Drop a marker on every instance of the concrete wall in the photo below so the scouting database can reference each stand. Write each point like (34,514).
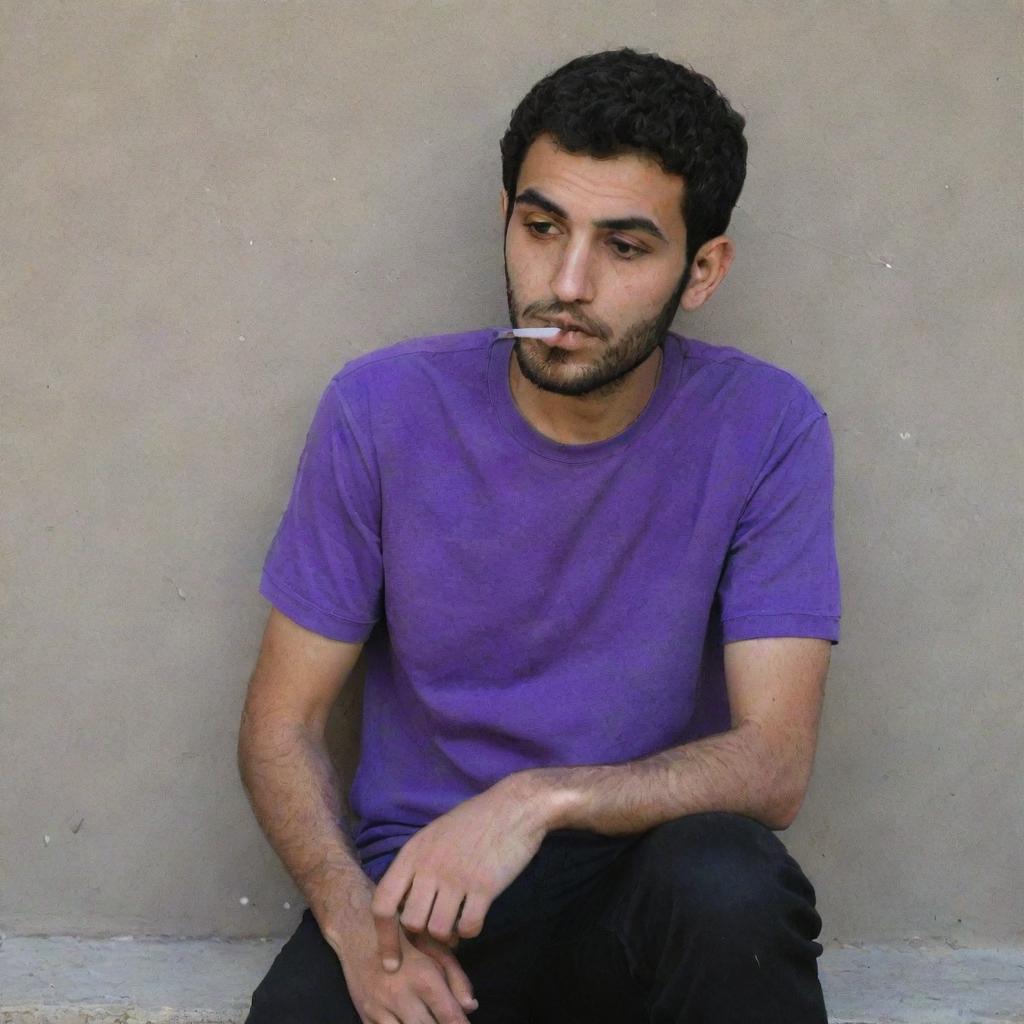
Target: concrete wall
(208,207)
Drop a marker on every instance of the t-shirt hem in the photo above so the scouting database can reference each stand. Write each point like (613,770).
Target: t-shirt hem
(757,626)
(308,615)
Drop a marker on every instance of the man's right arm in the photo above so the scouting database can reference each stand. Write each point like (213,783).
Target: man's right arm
(296,796)
(290,779)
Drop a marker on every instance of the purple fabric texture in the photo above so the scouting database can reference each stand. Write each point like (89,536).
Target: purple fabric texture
(527,603)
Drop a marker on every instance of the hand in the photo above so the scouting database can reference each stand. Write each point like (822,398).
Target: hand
(431,985)
(451,871)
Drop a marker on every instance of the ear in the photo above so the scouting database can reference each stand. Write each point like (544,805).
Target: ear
(504,205)
(710,265)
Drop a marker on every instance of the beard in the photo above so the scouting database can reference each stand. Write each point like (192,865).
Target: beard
(539,363)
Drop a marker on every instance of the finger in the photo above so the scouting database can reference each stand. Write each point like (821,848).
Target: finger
(473,913)
(458,981)
(389,946)
(391,889)
(384,906)
(444,1006)
(418,904)
(442,917)
(416,1012)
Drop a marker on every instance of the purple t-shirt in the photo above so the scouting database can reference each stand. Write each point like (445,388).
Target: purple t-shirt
(525,602)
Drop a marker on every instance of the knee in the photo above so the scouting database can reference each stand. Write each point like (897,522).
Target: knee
(719,870)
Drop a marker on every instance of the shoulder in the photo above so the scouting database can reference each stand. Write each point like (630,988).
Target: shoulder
(757,388)
(406,356)
(404,371)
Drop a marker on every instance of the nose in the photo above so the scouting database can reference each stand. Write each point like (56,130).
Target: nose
(573,280)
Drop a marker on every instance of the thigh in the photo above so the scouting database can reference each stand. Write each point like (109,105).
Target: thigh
(587,977)
(306,984)
(510,960)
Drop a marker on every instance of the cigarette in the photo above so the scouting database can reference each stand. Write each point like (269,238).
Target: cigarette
(531,332)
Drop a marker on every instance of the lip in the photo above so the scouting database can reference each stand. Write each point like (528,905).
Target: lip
(567,326)
(571,338)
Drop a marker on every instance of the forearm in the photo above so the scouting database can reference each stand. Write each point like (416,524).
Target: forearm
(731,771)
(295,794)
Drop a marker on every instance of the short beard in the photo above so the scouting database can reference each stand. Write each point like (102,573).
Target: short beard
(615,365)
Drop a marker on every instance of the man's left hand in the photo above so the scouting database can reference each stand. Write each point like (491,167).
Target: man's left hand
(453,869)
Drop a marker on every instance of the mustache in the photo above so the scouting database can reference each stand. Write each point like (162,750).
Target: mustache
(549,310)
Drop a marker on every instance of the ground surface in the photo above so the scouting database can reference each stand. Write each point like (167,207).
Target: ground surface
(159,981)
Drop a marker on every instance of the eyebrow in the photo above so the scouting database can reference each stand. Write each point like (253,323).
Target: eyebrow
(532,197)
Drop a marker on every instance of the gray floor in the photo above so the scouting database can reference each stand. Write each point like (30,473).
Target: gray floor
(124,981)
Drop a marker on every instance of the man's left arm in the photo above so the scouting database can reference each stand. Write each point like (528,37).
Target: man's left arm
(445,878)
(759,768)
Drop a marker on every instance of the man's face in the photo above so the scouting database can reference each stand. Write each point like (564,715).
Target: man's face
(600,244)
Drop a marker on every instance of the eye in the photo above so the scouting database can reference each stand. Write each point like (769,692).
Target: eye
(536,225)
(624,250)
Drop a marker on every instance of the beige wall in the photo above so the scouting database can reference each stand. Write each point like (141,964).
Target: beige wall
(208,207)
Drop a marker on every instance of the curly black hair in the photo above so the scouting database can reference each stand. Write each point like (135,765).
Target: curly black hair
(621,101)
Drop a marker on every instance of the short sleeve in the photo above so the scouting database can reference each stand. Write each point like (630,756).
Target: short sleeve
(324,569)
(781,576)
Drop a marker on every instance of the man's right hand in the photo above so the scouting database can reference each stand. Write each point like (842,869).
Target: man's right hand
(429,986)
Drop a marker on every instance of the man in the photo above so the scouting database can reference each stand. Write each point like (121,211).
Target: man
(594,580)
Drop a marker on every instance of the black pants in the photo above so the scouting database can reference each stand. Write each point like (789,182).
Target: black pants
(705,919)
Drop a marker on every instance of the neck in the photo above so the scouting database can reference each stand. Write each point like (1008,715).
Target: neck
(586,419)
